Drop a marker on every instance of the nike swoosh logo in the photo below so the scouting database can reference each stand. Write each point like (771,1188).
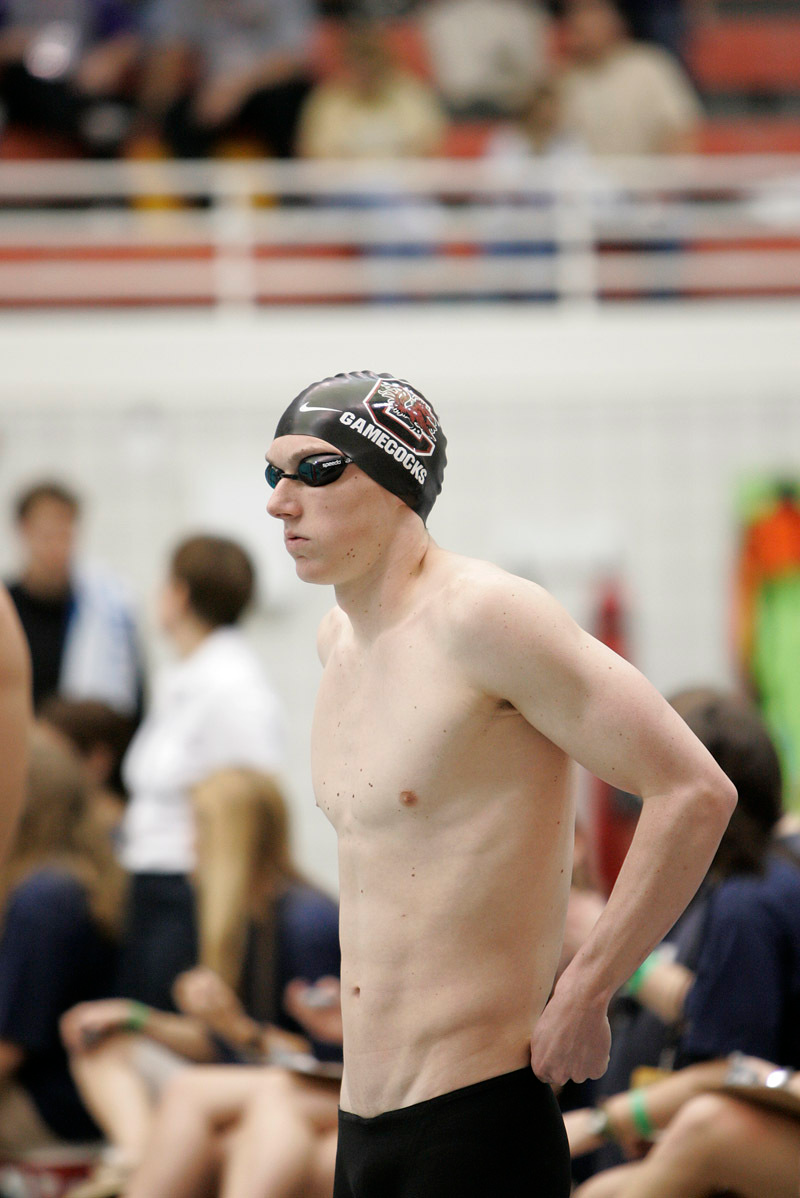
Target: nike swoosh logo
(306,407)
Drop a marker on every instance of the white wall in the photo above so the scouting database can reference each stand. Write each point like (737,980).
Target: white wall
(578,440)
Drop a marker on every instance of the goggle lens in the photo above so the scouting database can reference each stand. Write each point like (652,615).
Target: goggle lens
(317,470)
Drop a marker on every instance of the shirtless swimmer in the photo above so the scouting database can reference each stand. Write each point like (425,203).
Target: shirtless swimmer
(453,697)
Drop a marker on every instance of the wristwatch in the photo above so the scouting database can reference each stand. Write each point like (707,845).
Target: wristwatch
(599,1124)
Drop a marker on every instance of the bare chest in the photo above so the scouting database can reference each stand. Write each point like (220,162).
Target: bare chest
(400,729)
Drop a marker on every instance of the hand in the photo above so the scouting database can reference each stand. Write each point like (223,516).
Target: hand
(202,993)
(101,70)
(220,99)
(571,1040)
(88,1023)
(317,1008)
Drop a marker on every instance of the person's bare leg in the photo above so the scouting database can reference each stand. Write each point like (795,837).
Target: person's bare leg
(718,1143)
(275,1150)
(320,1179)
(198,1106)
(116,1094)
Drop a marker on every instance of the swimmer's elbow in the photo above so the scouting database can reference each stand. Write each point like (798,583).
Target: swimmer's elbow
(728,798)
(716,801)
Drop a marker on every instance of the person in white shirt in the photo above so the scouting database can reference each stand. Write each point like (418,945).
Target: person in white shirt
(212,709)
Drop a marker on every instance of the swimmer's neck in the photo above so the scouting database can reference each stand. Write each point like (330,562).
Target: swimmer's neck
(384,593)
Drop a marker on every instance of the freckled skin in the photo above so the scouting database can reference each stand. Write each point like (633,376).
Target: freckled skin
(453,861)
(441,749)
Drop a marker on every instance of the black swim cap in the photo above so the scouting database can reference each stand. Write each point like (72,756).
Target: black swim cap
(384,424)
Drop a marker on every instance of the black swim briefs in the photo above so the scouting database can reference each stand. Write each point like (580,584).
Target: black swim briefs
(501,1138)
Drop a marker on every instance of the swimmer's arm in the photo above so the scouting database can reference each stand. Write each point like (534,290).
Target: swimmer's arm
(15,719)
(520,645)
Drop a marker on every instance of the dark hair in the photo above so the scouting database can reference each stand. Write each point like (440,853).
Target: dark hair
(47,489)
(219,575)
(737,738)
(88,723)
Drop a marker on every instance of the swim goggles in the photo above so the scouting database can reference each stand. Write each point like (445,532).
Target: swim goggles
(317,470)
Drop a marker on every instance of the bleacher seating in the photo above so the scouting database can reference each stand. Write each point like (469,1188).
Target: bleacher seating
(746,55)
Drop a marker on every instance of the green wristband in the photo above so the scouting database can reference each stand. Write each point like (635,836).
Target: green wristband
(138,1015)
(637,978)
(641,1119)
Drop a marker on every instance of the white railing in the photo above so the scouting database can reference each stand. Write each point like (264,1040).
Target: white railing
(246,233)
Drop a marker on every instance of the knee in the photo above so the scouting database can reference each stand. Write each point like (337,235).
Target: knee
(276,1093)
(701,1137)
(707,1120)
(180,1091)
(113,1050)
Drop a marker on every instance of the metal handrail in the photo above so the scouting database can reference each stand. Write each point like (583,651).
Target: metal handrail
(251,232)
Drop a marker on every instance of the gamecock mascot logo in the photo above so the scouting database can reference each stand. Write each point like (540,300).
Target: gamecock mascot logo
(399,409)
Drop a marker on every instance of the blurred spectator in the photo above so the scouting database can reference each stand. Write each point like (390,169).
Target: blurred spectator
(487,55)
(212,709)
(727,978)
(719,1125)
(15,719)
(284,929)
(99,735)
(78,622)
(621,96)
(66,69)
(539,131)
(374,110)
(258,1131)
(219,71)
(60,896)
(262,924)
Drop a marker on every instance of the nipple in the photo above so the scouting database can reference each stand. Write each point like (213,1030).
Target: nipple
(408,798)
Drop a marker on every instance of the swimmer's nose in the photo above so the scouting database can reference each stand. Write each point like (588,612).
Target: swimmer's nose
(285,499)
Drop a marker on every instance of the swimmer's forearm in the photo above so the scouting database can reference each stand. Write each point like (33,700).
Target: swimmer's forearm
(669,856)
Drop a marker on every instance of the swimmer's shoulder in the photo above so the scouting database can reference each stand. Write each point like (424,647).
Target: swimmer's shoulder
(488,617)
(330,629)
(476,594)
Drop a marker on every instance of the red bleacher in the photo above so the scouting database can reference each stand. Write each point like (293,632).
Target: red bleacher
(745,55)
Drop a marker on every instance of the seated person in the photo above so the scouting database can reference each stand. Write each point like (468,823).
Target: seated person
(215,73)
(61,895)
(67,70)
(123,1052)
(730,1124)
(728,976)
(99,735)
(373,109)
(621,96)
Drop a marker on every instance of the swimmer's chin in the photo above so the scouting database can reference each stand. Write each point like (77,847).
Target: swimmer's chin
(309,570)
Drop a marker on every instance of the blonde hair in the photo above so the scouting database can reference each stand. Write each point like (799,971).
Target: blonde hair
(57,829)
(244,860)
